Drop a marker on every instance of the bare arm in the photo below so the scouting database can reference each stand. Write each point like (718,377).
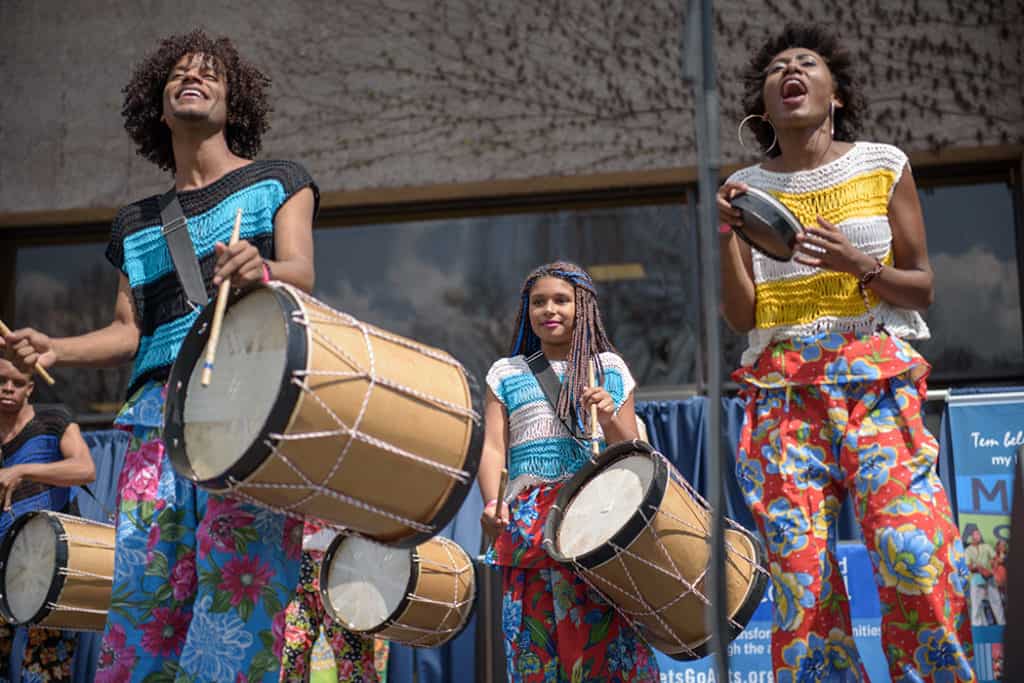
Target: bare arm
(492,457)
(75,469)
(293,249)
(492,461)
(910,283)
(739,295)
(109,346)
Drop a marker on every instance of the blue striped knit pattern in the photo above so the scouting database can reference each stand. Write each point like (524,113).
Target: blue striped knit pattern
(162,347)
(138,248)
(145,252)
(540,447)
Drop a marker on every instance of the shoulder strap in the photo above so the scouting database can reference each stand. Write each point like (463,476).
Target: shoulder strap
(183,253)
(549,384)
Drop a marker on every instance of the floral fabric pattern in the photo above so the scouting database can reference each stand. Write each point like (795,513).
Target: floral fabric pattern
(556,627)
(353,654)
(559,630)
(48,657)
(831,416)
(200,581)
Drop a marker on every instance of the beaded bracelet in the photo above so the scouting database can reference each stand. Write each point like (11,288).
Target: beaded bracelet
(865,280)
(867,277)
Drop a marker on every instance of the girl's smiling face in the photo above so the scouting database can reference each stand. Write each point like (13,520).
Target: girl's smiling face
(552,306)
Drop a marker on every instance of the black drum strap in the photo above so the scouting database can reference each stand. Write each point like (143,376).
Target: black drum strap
(549,384)
(183,252)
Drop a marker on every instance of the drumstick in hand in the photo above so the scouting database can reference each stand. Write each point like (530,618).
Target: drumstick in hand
(502,485)
(595,445)
(40,370)
(218,311)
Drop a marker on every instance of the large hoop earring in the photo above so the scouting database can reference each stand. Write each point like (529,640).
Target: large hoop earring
(763,117)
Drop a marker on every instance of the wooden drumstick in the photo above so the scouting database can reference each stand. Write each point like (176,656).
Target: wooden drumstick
(502,485)
(40,370)
(595,445)
(218,311)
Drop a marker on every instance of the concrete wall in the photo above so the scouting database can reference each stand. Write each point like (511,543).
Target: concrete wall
(388,93)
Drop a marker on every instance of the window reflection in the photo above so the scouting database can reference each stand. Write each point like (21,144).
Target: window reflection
(976,318)
(455,283)
(64,290)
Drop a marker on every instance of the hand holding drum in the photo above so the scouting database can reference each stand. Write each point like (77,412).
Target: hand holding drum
(761,220)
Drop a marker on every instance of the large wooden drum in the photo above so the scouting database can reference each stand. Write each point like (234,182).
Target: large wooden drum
(314,413)
(634,529)
(57,571)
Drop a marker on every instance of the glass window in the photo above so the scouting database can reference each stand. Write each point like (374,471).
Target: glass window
(64,290)
(455,283)
(976,318)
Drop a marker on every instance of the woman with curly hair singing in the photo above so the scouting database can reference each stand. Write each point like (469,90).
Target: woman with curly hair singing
(833,388)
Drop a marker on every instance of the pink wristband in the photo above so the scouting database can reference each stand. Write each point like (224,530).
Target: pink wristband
(492,502)
(266,272)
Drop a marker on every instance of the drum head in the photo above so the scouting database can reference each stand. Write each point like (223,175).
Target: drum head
(604,504)
(222,428)
(768,225)
(366,582)
(30,575)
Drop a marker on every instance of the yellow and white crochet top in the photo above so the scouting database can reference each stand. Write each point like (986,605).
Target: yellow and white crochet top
(794,300)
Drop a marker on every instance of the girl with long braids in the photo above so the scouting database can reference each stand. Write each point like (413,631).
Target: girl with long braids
(833,387)
(555,626)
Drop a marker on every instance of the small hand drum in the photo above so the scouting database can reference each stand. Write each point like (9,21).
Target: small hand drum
(768,225)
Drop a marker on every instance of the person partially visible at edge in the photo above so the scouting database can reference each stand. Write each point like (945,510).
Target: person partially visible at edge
(200,579)
(42,454)
(542,600)
(833,389)
(355,655)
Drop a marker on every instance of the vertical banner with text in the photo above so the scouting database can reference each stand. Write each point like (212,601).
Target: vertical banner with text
(986,430)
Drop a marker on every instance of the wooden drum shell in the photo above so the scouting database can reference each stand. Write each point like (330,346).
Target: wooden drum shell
(412,420)
(87,555)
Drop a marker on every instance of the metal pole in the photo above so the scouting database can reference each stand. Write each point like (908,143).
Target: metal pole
(699,69)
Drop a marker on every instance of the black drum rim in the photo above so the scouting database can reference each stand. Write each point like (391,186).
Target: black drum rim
(56,582)
(191,353)
(785,225)
(634,526)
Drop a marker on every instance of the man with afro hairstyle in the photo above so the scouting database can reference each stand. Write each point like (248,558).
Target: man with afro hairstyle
(199,579)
